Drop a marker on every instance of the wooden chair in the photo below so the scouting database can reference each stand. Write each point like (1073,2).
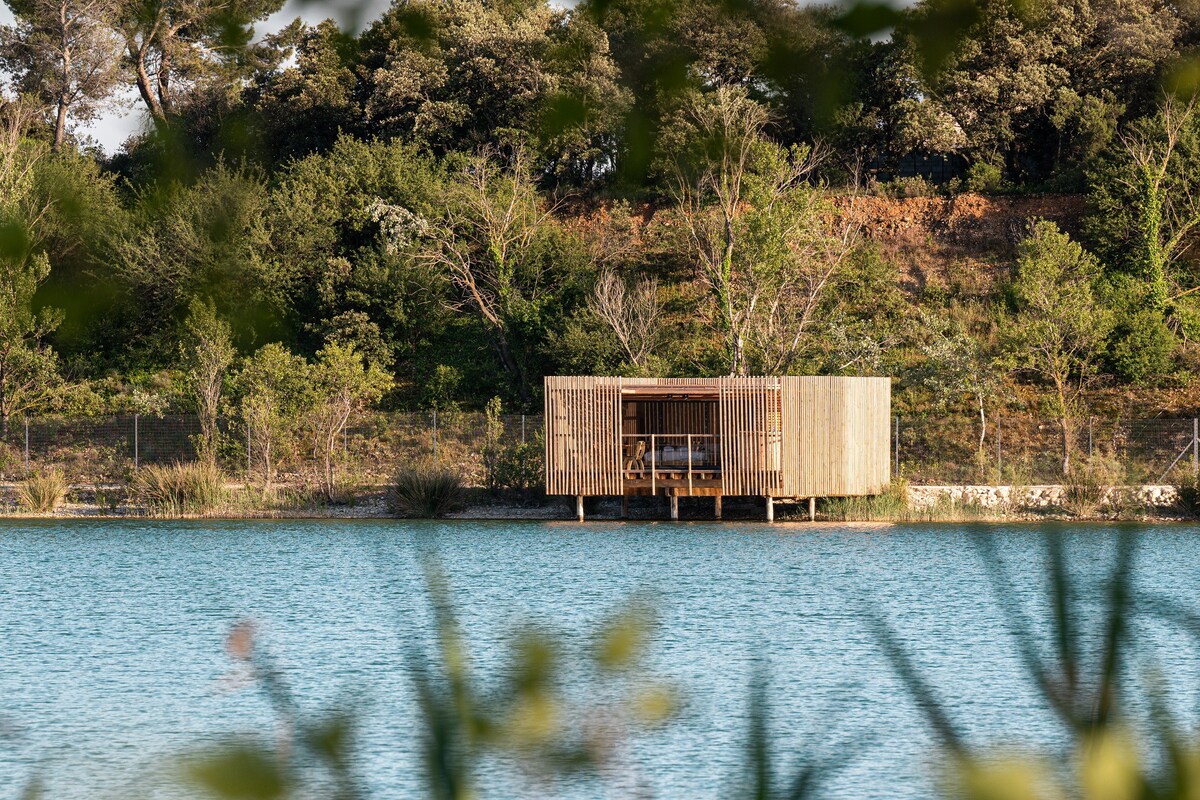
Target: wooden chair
(637,456)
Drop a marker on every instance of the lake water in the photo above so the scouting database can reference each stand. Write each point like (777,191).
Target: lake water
(112,659)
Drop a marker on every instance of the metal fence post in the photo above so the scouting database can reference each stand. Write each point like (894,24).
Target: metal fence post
(896,440)
(522,429)
(248,462)
(1090,419)
(1195,447)
(435,458)
(135,442)
(999,460)
(27,447)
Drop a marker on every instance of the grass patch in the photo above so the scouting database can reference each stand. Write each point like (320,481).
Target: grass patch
(179,489)
(893,506)
(1091,486)
(424,492)
(43,492)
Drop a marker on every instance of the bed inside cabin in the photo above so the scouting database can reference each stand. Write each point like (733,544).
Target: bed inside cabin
(670,432)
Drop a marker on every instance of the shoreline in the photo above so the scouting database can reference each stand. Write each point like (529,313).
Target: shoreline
(924,504)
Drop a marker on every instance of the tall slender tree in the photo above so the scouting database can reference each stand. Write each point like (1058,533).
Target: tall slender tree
(63,53)
(174,47)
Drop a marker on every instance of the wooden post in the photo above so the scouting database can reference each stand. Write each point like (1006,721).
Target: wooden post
(812,509)
(653,468)
(770,509)
(689,447)
(675,507)
(624,506)
(717,506)
(579,507)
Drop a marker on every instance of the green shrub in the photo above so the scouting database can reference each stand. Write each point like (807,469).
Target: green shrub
(519,466)
(43,492)
(424,492)
(1092,485)
(984,177)
(900,188)
(1141,348)
(178,489)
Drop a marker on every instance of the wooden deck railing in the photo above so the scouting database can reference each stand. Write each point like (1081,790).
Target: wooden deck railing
(694,455)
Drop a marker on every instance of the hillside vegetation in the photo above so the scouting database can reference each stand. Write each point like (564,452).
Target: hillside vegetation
(470,194)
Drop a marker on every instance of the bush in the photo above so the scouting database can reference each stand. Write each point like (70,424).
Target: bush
(1141,348)
(1092,485)
(178,489)
(43,492)
(900,188)
(519,466)
(984,178)
(424,492)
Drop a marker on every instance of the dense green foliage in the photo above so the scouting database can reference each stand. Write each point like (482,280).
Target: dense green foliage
(468,195)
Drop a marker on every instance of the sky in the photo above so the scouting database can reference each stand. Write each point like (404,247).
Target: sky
(114,127)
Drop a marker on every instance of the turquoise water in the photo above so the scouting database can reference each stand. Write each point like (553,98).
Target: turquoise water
(112,660)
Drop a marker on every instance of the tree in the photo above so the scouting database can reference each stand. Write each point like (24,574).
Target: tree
(273,386)
(177,47)
(1144,199)
(63,53)
(956,367)
(342,385)
(28,366)
(209,239)
(586,107)
(305,105)
(755,227)
(458,74)
(1059,327)
(633,313)
(487,245)
(207,353)
(345,230)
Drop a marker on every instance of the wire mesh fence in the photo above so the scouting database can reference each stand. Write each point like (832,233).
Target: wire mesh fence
(932,449)
(1030,450)
(373,445)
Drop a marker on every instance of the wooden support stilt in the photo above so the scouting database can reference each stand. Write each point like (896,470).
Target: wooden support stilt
(675,507)
(624,506)
(812,509)
(579,507)
(770,509)
(717,507)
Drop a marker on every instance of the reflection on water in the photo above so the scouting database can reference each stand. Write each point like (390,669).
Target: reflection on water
(112,659)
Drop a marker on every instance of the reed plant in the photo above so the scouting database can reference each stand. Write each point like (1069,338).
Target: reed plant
(179,489)
(890,506)
(1091,486)
(424,492)
(43,492)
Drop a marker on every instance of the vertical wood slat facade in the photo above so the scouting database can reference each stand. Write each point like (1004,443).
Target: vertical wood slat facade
(583,426)
(778,436)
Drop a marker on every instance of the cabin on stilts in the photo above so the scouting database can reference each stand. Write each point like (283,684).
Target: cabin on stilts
(791,438)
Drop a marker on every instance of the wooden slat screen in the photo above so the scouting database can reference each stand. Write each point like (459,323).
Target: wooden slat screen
(842,436)
(751,435)
(583,425)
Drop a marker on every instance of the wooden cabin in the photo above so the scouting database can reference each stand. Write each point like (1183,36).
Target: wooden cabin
(771,437)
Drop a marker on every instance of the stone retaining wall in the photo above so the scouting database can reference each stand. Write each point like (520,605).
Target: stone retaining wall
(1032,497)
